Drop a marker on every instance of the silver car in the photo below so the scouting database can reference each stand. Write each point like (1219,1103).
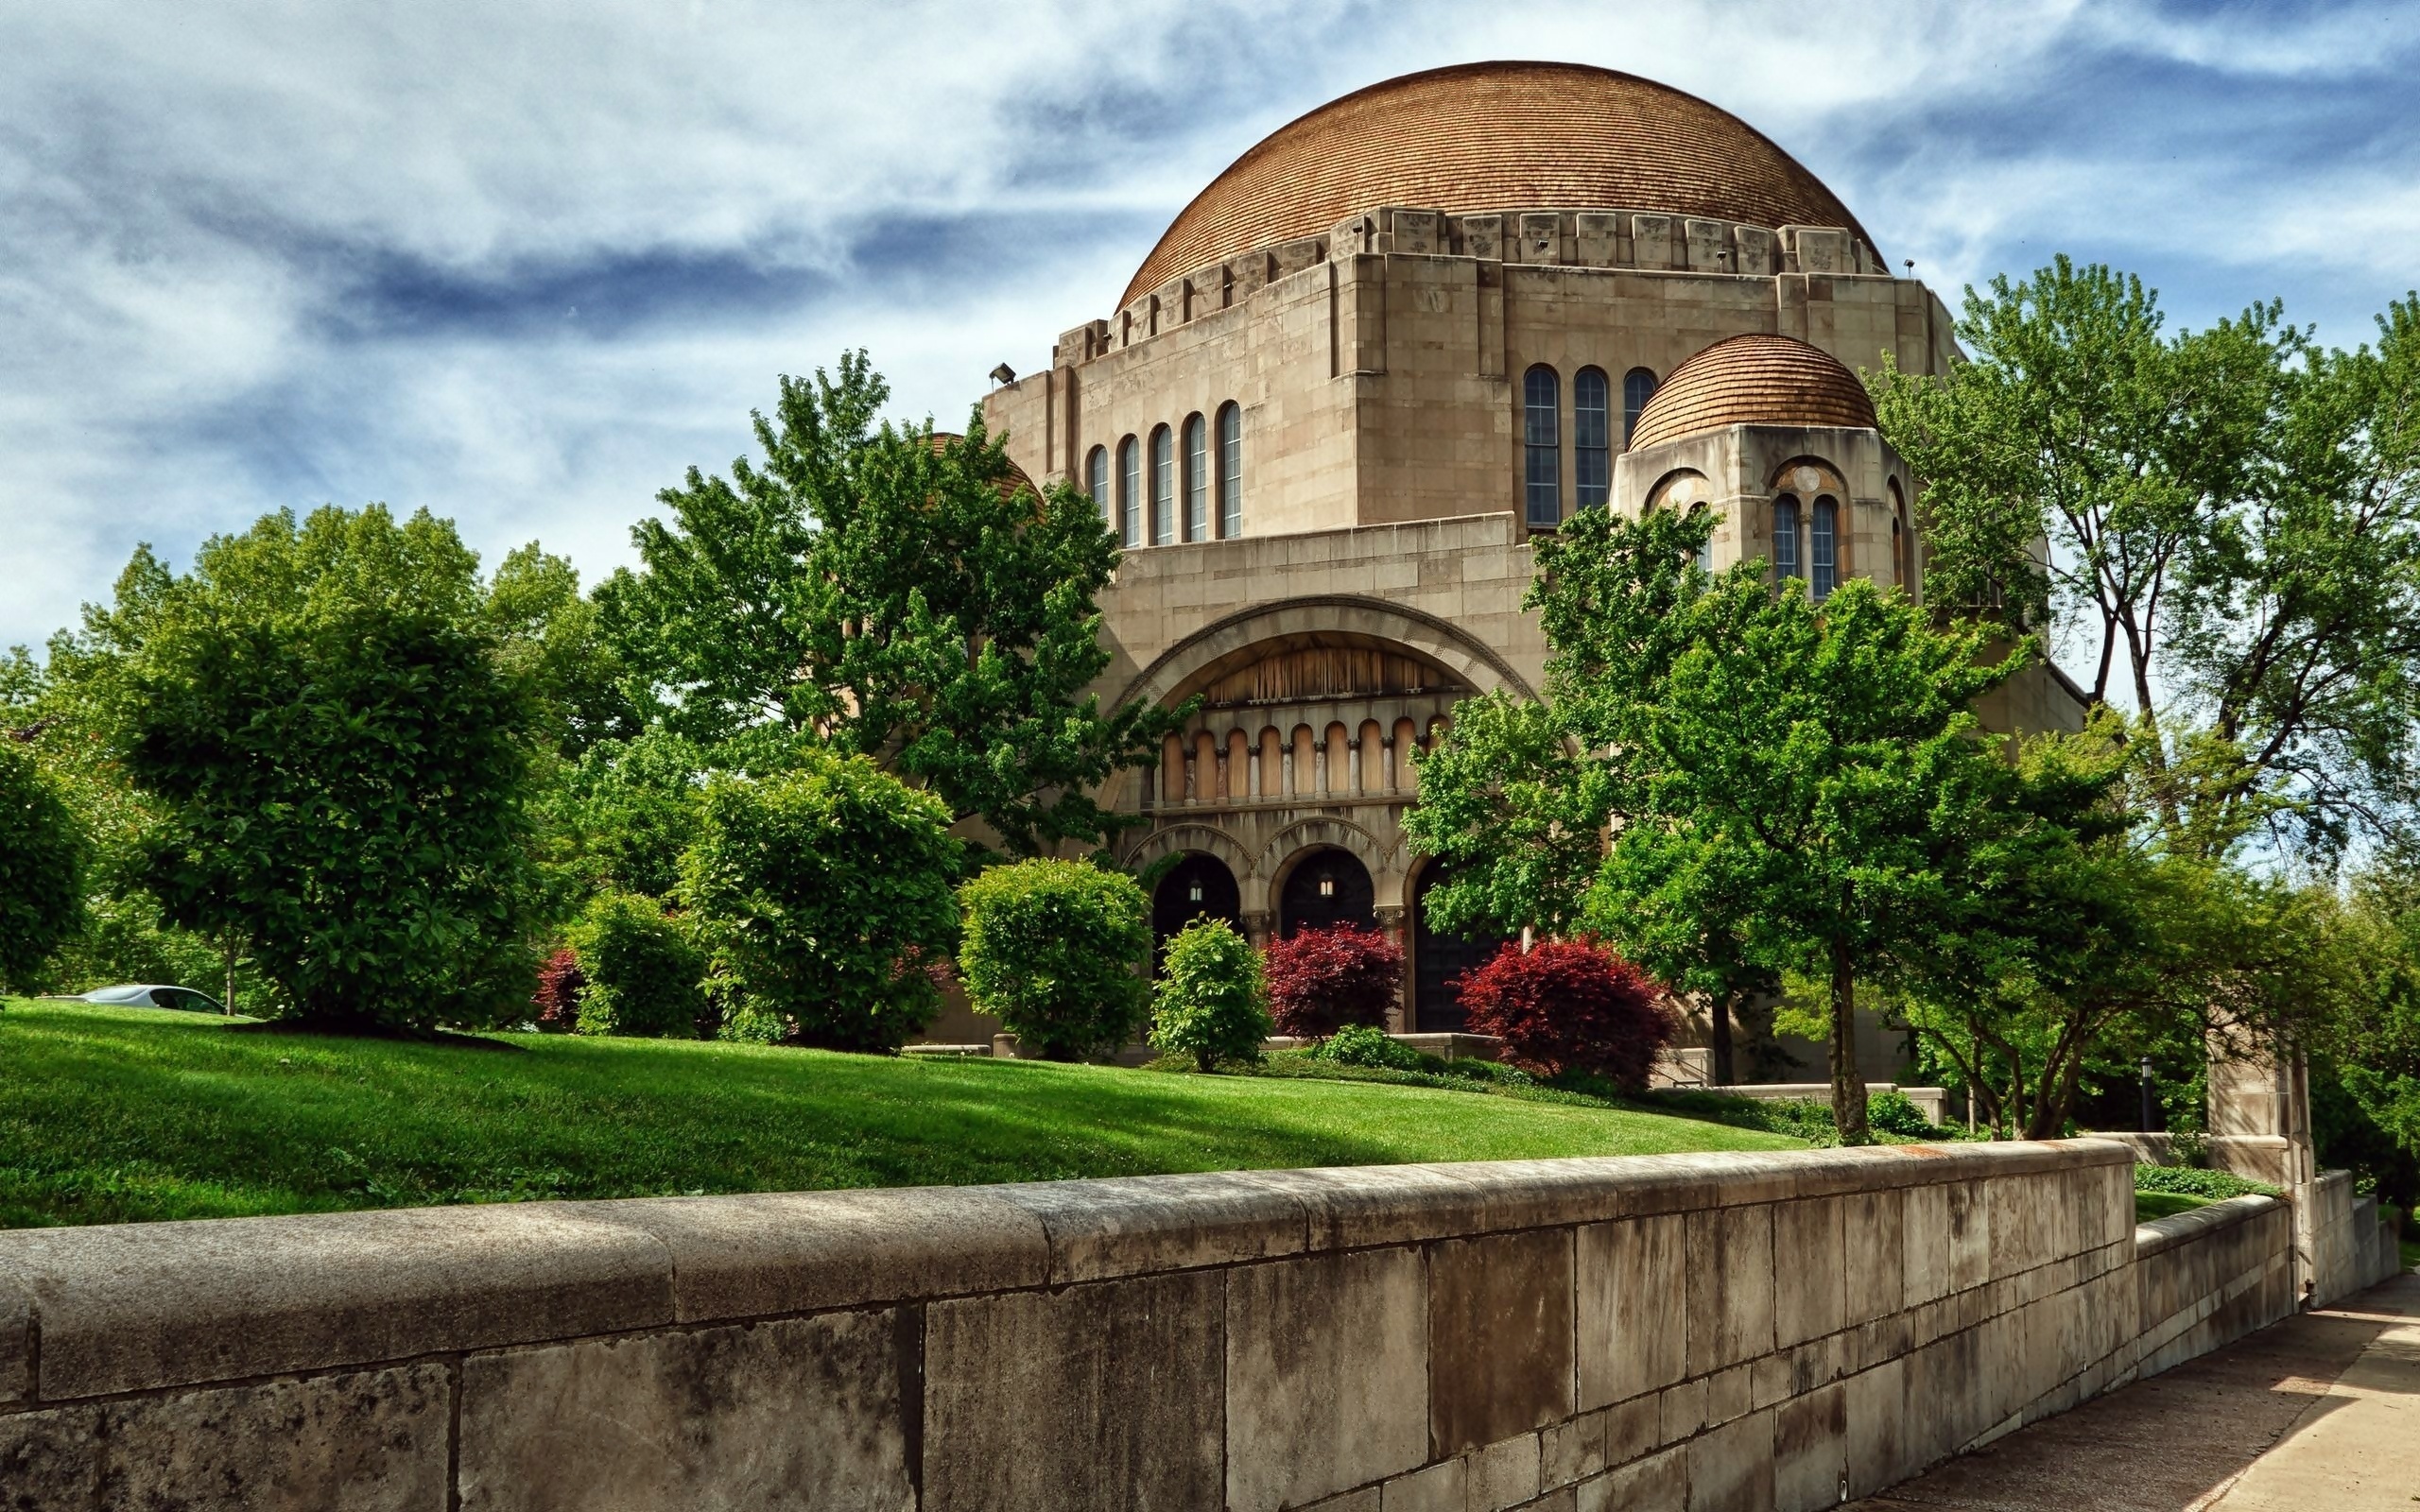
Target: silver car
(152,995)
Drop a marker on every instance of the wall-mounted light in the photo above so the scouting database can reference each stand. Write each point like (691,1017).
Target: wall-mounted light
(1194,894)
(1327,884)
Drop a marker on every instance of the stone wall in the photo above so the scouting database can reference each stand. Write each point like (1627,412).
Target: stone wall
(1761,1331)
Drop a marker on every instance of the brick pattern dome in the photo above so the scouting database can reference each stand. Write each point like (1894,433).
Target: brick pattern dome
(1754,380)
(1482,137)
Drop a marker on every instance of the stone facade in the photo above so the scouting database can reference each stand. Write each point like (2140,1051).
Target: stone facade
(1716,1331)
(1319,454)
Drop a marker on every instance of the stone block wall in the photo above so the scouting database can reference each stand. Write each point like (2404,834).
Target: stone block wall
(1761,1331)
(2211,1275)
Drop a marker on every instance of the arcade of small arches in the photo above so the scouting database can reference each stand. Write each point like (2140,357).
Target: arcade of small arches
(1183,469)
(1282,799)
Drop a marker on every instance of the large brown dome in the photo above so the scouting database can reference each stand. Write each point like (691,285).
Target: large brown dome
(1754,380)
(1482,137)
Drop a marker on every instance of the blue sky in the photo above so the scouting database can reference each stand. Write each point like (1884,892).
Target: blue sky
(524,264)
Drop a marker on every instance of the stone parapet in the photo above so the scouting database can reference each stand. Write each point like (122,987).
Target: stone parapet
(1764,1330)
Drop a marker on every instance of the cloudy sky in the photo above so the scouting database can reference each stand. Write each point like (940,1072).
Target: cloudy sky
(524,263)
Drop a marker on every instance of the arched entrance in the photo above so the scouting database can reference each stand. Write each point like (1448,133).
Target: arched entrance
(1438,958)
(1199,886)
(1326,887)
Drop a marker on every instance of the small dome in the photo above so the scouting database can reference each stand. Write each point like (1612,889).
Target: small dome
(1754,380)
(1482,137)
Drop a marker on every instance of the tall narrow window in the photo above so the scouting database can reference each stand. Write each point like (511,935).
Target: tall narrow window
(1542,437)
(1639,386)
(1196,479)
(1784,537)
(1822,548)
(1096,484)
(1129,493)
(1592,436)
(1898,555)
(1162,487)
(1231,471)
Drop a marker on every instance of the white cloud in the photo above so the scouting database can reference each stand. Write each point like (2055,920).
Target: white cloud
(265,254)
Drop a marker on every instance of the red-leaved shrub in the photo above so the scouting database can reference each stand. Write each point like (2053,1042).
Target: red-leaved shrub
(557,999)
(1569,1005)
(1322,979)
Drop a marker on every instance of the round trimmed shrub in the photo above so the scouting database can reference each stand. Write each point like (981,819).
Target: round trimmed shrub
(1049,948)
(1357,1044)
(820,892)
(641,976)
(1322,979)
(1211,1001)
(1569,1005)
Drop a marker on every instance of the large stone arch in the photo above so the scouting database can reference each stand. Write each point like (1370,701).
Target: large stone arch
(1474,661)
(1192,835)
(1384,862)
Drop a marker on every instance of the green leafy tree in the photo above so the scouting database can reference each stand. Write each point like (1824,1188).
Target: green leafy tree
(42,865)
(334,756)
(1052,949)
(902,594)
(641,974)
(823,893)
(620,815)
(1210,1002)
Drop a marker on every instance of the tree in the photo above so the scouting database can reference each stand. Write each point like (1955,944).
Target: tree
(903,595)
(1570,1005)
(1052,949)
(335,758)
(823,893)
(2231,516)
(1320,980)
(42,865)
(1211,1001)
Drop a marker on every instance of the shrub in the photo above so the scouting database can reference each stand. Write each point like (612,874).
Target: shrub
(641,972)
(1358,1044)
(1569,1005)
(1049,948)
(1895,1113)
(42,865)
(2187,1181)
(1322,979)
(822,890)
(1212,1002)
(556,999)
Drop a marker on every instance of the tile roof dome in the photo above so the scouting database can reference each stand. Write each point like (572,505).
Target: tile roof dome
(1754,380)
(1480,137)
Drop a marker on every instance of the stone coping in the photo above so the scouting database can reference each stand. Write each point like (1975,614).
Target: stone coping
(92,1311)
(2167,1233)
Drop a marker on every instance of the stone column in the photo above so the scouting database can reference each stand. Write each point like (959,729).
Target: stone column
(1286,762)
(1226,787)
(1252,771)
(1192,778)
(1318,759)
(1390,924)
(1395,778)
(1257,930)
(1360,779)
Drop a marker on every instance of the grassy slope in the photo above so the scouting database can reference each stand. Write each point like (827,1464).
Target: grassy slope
(2150,1205)
(116,1115)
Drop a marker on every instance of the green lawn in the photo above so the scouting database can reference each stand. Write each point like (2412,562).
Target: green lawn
(2150,1205)
(111,1115)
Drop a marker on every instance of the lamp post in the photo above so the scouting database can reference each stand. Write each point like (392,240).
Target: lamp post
(2148,1125)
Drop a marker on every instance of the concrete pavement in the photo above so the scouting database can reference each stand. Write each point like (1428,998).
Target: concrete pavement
(2320,1413)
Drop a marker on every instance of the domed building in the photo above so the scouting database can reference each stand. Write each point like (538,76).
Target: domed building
(1397,340)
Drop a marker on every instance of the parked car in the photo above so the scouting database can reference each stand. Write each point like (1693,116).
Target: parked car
(152,995)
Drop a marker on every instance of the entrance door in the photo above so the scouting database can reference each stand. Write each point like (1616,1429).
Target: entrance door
(1327,886)
(1438,960)
(1199,886)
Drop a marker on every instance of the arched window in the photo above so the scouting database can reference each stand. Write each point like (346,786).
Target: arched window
(1899,540)
(1639,386)
(1542,438)
(1786,537)
(1162,487)
(1196,479)
(1130,492)
(1822,548)
(1231,471)
(1096,484)
(1592,436)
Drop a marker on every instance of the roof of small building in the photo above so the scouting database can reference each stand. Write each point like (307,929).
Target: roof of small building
(1754,380)
(1480,137)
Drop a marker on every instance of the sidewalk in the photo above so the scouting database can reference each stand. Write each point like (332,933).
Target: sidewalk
(2320,1413)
